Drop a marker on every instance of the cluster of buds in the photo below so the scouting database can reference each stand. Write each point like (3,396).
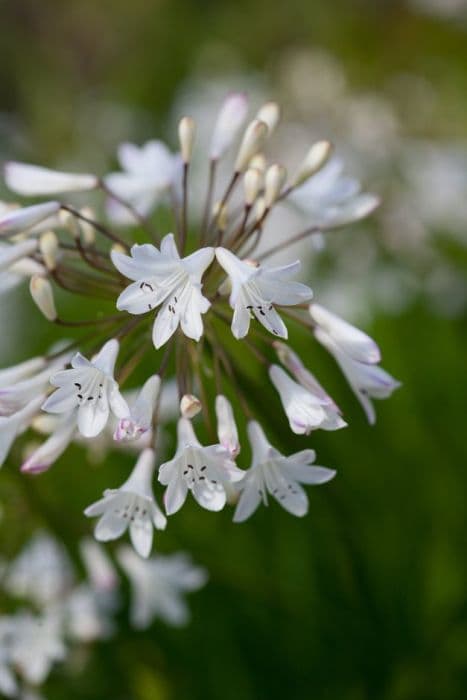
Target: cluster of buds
(176,295)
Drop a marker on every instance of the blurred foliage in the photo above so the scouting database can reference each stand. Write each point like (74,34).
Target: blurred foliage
(364,599)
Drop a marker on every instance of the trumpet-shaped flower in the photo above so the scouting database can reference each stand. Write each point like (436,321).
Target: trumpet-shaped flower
(255,290)
(205,471)
(280,476)
(159,586)
(132,506)
(165,278)
(306,410)
(90,388)
(148,174)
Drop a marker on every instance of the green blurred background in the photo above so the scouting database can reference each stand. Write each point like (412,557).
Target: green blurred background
(365,598)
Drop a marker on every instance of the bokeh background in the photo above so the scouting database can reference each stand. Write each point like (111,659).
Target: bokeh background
(364,599)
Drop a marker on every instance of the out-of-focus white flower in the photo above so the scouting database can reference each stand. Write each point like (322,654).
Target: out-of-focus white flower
(10,254)
(165,278)
(159,586)
(231,116)
(15,424)
(280,476)
(37,644)
(141,413)
(21,384)
(226,427)
(131,506)
(8,683)
(22,219)
(305,410)
(255,290)
(51,449)
(330,198)
(205,471)
(31,180)
(41,573)
(149,172)
(99,568)
(90,387)
(86,620)
(356,354)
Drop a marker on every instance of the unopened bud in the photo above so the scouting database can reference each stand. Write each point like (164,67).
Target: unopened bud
(273,182)
(315,159)
(252,142)
(226,427)
(190,406)
(69,222)
(270,114)
(119,248)
(48,246)
(260,208)
(220,215)
(252,181)
(87,230)
(42,295)
(186,136)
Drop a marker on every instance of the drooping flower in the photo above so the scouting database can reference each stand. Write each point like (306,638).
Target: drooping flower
(159,586)
(51,449)
(132,506)
(165,278)
(139,420)
(357,355)
(90,388)
(273,473)
(329,198)
(305,410)
(149,172)
(205,471)
(255,290)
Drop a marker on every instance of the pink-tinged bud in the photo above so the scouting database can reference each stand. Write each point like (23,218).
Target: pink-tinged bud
(270,114)
(186,137)
(229,120)
(315,159)
(273,183)
(18,220)
(42,295)
(190,406)
(32,180)
(253,140)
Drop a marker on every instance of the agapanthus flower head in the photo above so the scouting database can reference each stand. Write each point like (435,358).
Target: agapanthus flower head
(179,294)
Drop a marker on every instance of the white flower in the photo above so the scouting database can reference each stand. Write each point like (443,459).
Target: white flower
(356,354)
(51,449)
(41,572)
(8,684)
(99,568)
(90,387)
(205,471)
(226,426)
(31,180)
(305,410)
(149,172)
(21,384)
(86,618)
(10,254)
(165,278)
(230,118)
(159,586)
(280,476)
(14,425)
(141,413)
(255,290)
(21,219)
(37,643)
(331,199)
(131,506)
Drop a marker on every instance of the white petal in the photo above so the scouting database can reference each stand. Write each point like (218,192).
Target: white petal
(50,450)
(350,339)
(110,527)
(240,320)
(33,180)
(196,263)
(175,495)
(9,254)
(249,500)
(106,357)
(141,534)
(19,220)
(92,418)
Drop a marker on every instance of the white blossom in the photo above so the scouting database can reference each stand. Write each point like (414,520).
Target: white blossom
(53,447)
(90,388)
(255,290)
(273,473)
(132,506)
(231,116)
(165,278)
(159,586)
(205,471)
(31,180)
(23,218)
(37,644)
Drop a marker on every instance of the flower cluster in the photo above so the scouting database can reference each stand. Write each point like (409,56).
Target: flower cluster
(200,304)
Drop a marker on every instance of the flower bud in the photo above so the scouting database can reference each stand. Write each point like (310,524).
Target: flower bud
(252,141)
(229,120)
(226,427)
(252,181)
(118,248)
(220,215)
(260,208)
(42,295)
(190,406)
(87,230)
(270,114)
(32,180)
(186,137)
(259,162)
(315,159)
(48,246)
(70,223)
(273,182)
(20,219)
